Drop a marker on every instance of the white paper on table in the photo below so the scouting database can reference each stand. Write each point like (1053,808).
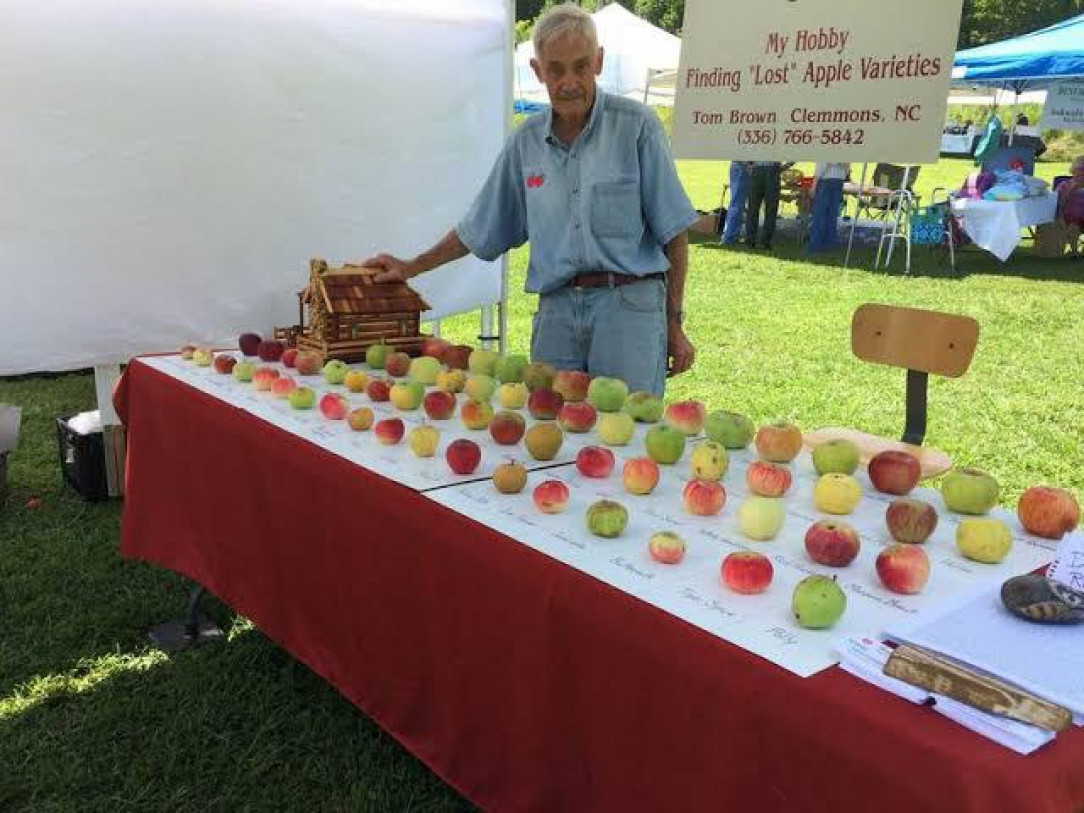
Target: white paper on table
(10,419)
(1068,566)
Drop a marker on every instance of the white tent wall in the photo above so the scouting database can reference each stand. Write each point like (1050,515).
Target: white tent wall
(168,168)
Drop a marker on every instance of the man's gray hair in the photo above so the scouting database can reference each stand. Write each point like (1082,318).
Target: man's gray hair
(560,21)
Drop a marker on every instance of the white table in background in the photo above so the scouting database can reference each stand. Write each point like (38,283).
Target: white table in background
(995,224)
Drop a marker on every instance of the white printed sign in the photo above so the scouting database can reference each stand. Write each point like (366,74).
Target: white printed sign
(1068,567)
(1064,108)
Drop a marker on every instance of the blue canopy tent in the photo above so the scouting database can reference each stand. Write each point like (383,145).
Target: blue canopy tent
(1030,61)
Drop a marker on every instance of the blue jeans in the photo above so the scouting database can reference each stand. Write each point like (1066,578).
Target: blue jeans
(617,332)
(827,202)
(739,192)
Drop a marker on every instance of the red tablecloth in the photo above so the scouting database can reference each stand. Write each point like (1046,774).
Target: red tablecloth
(524,683)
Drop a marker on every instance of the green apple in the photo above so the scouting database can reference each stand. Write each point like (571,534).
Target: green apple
(607,394)
(761,518)
(539,376)
(424,370)
(480,387)
(615,428)
(607,518)
(377,354)
(818,602)
(482,362)
(335,371)
(837,456)
(969,491)
(243,370)
(644,407)
(512,396)
(510,369)
(731,429)
(664,444)
(302,398)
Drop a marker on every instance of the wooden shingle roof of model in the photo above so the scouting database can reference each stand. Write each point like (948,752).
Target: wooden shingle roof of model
(351,289)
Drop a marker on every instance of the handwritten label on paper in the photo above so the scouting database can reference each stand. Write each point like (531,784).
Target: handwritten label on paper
(708,603)
(784,636)
(625,564)
(1068,567)
(562,536)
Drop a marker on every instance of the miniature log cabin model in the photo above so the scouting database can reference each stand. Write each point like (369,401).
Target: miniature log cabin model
(348,311)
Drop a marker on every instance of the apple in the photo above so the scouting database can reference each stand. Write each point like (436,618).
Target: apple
(767,479)
(334,407)
(910,521)
(732,429)
(903,568)
(424,370)
(463,456)
(836,493)
(832,543)
(244,370)
(439,405)
(389,431)
(983,539)
(360,419)
(577,416)
(510,369)
(594,461)
(483,362)
(664,444)
(839,456)
(335,371)
(458,356)
(302,398)
(550,497)
(249,343)
(224,364)
(187,351)
(282,386)
(539,376)
(544,405)
(894,472)
(397,364)
(379,390)
(507,427)
(607,394)
(423,440)
(666,547)
(434,347)
(686,416)
(703,498)
(543,441)
(376,355)
(512,396)
(761,518)
(571,384)
(356,381)
(778,442)
(818,602)
(644,407)
(452,380)
(480,387)
(747,572)
(475,414)
(1044,511)
(263,378)
(289,357)
(969,491)
(308,362)
(640,475)
(509,478)
(708,460)
(607,518)
(203,356)
(270,350)
(615,428)
(406,395)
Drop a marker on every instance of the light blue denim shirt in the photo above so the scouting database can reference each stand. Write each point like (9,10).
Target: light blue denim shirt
(608,202)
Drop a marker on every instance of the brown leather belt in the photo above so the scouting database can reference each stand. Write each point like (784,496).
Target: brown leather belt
(608,279)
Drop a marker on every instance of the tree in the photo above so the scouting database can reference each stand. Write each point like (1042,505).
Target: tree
(986,21)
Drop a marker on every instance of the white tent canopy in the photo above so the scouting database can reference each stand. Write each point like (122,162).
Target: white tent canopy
(637,53)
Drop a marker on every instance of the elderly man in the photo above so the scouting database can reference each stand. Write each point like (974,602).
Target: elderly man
(592,185)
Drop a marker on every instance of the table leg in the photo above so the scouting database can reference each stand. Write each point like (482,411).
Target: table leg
(194,631)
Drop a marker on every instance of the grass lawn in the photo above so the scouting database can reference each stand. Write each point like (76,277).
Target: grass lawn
(92,719)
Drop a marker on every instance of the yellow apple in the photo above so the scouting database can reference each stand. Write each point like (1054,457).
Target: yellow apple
(615,428)
(451,380)
(513,396)
(708,460)
(836,493)
(761,518)
(983,539)
(356,381)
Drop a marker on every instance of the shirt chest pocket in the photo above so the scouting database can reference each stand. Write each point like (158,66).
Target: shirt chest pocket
(615,208)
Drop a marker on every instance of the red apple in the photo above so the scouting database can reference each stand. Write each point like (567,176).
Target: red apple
(224,364)
(334,407)
(571,384)
(833,543)
(397,364)
(263,378)
(911,521)
(463,456)
(439,405)
(703,498)
(666,547)
(778,442)
(282,386)
(903,568)
(550,497)
(187,351)
(595,461)
(458,356)
(894,472)
(507,427)
(1048,512)
(389,431)
(378,389)
(640,475)
(309,362)
(289,356)
(577,416)
(544,404)
(686,416)
(249,343)
(270,350)
(360,419)
(747,572)
(767,479)
(435,347)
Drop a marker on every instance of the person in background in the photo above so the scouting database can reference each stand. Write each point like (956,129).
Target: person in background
(739,192)
(828,180)
(763,193)
(1071,205)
